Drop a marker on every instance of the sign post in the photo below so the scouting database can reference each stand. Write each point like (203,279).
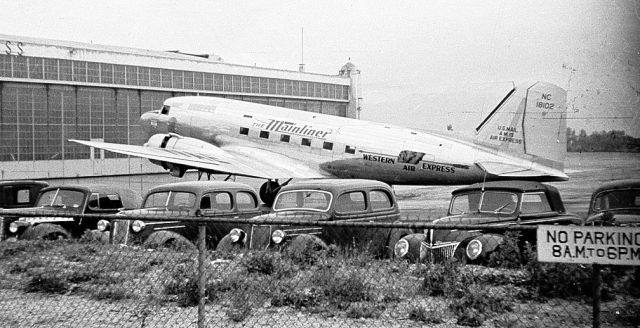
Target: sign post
(589,245)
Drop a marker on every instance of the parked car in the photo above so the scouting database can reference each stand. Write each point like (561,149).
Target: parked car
(205,199)
(615,203)
(71,199)
(345,200)
(17,194)
(492,204)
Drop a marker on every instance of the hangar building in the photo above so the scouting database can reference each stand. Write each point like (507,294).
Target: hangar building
(52,91)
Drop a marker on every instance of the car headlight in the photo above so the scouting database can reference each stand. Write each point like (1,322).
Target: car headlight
(474,249)
(13,227)
(236,235)
(278,236)
(401,248)
(103,225)
(137,226)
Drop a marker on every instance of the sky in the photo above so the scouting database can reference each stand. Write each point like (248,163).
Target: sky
(406,50)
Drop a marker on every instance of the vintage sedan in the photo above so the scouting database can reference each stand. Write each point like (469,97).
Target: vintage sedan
(346,200)
(17,194)
(204,199)
(615,203)
(492,204)
(70,199)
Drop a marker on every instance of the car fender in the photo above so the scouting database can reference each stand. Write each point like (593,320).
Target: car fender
(227,245)
(414,253)
(394,236)
(490,242)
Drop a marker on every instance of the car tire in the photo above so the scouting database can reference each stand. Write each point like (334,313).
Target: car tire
(46,231)
(226,245)
(168,239)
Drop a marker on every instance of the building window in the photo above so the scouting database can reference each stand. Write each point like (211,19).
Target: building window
(306,142)
(264,134)
(285,138)
(244,131)
(349,150)
(327,145)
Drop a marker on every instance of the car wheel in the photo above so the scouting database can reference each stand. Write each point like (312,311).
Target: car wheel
(168,239)
(226,245)
(46,231)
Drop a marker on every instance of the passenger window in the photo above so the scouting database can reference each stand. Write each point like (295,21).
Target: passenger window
(93,202)
(182,200)
(221,201)
(246,201)
(165,110)
(351,202)
(205,203)
(22,196)
(534,203)
(380,200)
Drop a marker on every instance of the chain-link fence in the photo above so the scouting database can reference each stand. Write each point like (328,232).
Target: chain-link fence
(115,279)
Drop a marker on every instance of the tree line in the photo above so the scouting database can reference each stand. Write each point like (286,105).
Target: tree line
(603,141)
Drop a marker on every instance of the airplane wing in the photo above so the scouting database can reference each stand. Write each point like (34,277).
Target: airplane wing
(236,160)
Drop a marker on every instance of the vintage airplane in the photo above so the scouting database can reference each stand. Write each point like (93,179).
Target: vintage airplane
(524,137)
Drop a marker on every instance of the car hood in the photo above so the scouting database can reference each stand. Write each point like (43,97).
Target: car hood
(473,219)
(157,211)
(616,217)
(294,215)
(46,210)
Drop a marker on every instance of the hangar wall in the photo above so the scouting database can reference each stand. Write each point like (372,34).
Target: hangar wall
(52,91)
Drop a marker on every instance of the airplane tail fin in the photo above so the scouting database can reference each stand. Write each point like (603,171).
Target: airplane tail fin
(530,122)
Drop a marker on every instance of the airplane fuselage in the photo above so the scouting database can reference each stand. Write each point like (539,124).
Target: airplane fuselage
(333,146)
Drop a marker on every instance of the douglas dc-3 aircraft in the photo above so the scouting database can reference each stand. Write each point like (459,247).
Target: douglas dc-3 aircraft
(524,137)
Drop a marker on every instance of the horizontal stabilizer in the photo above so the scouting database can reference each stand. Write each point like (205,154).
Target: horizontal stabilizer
(509,170)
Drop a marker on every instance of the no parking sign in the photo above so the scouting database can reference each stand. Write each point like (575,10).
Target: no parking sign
(589,244)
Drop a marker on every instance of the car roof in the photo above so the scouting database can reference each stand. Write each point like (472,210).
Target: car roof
(129,197)
(335,185)
(519,186)
(512,185)
(23,183)
(200,186)
(618,184)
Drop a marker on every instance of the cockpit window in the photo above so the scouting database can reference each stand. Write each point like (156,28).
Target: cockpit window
(165,110)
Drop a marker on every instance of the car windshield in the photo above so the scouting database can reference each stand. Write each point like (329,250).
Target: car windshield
(617,199)
(61,198)
(171,200)
(487,202)
(313,200)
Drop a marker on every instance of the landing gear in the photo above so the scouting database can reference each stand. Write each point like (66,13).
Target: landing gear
(268,192)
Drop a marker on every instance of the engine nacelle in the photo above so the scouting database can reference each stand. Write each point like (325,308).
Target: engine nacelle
(172,141)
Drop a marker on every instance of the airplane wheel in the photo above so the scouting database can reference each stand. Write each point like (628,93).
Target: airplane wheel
(268,192)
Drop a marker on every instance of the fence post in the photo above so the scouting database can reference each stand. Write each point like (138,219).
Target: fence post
(202,251)
(596,281)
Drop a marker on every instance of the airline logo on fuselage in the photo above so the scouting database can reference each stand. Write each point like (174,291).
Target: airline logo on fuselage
(297,129)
